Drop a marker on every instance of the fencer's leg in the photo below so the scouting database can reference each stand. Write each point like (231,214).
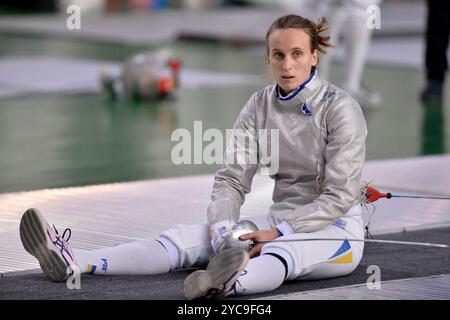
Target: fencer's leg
(335,16)
(305,260)
(138,257)
(325,259)
(191,242)
(358,38)
(183,246)
(262,274)
(55,255)
(357,42)
(265,272)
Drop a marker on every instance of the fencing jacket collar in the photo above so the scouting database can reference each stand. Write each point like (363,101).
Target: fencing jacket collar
(299,97)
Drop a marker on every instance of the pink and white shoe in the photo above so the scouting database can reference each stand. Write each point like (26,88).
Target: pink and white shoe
(45,243)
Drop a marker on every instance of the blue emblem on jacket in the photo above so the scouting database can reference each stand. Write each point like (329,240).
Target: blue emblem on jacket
(306,110)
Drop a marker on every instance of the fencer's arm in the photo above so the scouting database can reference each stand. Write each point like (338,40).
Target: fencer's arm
(233,181)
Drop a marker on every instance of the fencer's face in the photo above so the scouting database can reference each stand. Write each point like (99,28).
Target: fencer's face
(290,58)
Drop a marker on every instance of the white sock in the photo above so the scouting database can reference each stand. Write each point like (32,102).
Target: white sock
(138,257)
(263,273)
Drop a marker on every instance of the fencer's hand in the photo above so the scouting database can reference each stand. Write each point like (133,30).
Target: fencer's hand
(260,235)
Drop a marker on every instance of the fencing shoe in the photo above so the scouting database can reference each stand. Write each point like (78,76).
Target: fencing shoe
(219,277)
(44,242)
(367,98)
(432,93)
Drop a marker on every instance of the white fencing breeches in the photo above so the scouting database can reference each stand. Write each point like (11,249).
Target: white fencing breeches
(308,259)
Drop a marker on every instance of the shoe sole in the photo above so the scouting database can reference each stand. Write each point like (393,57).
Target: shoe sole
(33,230)
(221,269)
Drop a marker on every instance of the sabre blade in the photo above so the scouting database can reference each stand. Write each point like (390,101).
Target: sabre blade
(423,244)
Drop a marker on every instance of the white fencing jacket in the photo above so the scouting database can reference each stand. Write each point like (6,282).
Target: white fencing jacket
(322,134)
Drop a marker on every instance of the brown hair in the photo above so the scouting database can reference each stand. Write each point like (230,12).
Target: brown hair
(314,30)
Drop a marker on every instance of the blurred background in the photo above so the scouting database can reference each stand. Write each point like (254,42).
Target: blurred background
(58,128)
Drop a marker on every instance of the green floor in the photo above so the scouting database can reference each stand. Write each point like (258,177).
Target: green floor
(49,141)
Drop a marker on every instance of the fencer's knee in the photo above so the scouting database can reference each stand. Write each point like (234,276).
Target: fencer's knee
(172,251)
(192,242)
(286,255)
